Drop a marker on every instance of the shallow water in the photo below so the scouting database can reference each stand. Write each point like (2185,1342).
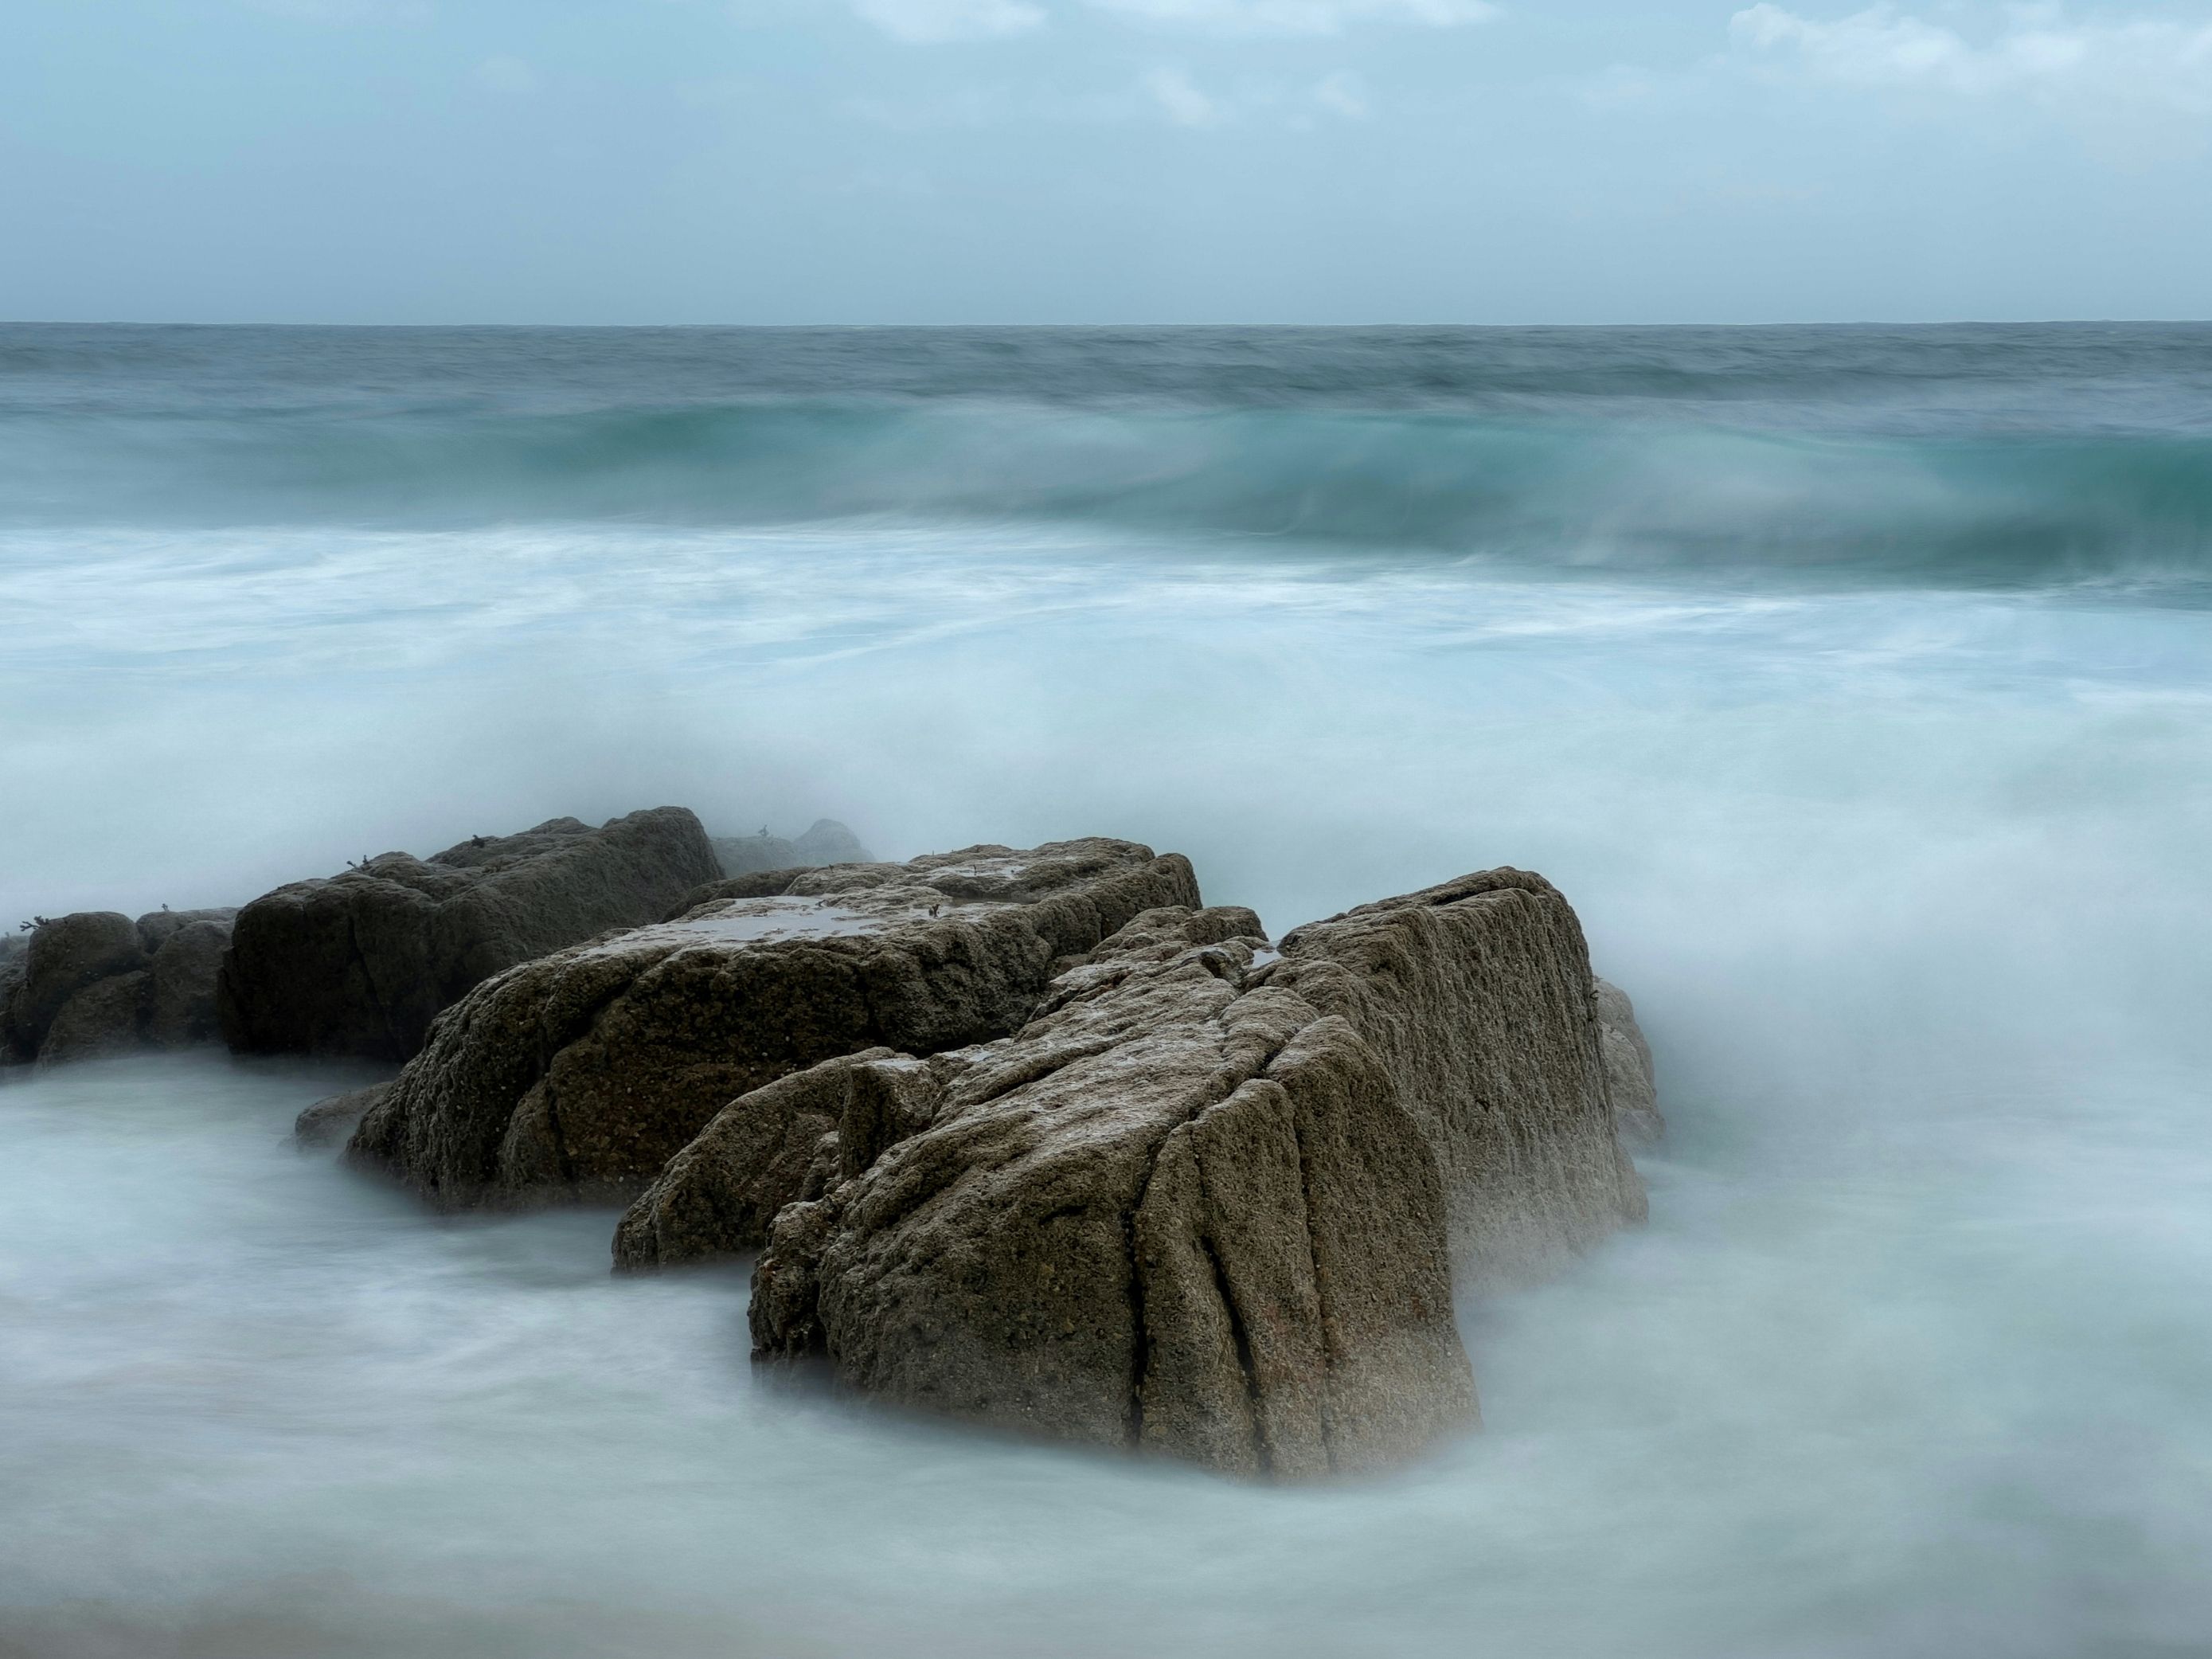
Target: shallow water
(1900,853)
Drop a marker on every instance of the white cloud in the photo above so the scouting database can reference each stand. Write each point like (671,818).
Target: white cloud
(933,20)
(504,74)
(1179,99)
(2038,51)
(1342,93)
(1298,16)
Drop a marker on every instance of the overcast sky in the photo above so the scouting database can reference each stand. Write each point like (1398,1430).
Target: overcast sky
(1102,160)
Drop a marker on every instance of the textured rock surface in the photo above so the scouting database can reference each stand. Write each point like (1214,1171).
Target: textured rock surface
(361,964)
(329,1122)
(827,842)
(1479,996)
(104,1020)
(1182,1211)
(581,1074)
(157,927)
(63,957)
(1205,1202)
(1629,1073)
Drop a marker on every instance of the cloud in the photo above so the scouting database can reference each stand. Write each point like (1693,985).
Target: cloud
(1179,99)
(1297,16)
(2038,52)
(1342,93)
(930,22)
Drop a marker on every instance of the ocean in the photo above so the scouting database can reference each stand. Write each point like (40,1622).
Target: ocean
(1856,683)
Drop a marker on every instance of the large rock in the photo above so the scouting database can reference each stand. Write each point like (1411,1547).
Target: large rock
(64,956)
(580,1075)
(827,842)
(360,963)
(1207,1201)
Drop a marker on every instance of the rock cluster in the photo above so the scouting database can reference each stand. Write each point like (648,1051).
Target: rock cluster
(96,983)
(1029,1138)
(360,963)
(579,1074)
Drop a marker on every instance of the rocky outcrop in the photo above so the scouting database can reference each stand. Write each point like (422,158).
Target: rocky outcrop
(581,1074)
(330,1122)
(1629,1075)
(95,984)
(827,842)
(1207,1201)
(360,963)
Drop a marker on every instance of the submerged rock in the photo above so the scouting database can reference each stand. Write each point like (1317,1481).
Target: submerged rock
(1206,1202)
(827,842)
(581,1074)
(64,956)
(104,1020)
(360,963)
(1628,1070)
(329,1122)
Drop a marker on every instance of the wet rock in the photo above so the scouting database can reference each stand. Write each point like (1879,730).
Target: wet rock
(181,1005)
(63,957)
(104,1020)
(1207,1201)
(581,1074)
(360,963)
(157,927)
(1629,1074)
(827,842)
(330,1122)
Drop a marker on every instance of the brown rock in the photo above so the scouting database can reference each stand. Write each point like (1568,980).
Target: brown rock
(1204,1202)
(362,962)
(580,1075)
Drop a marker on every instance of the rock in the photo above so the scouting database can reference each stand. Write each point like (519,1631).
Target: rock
(187,965)
(329,1122)
(104,1020)
(1205,1203)
(157,927)
(360,963)
(65,956)
(1628,1068)
(580,1075)
(827,842)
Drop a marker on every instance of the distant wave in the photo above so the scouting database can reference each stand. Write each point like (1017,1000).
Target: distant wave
(1614,495)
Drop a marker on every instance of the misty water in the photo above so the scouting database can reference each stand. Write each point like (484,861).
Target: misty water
(1856,685)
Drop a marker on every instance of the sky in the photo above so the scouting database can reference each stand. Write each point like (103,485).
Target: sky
(778,162)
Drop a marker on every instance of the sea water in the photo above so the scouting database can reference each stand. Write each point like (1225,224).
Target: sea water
(1855,685)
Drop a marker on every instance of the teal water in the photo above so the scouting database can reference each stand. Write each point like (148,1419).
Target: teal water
(1854,683)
